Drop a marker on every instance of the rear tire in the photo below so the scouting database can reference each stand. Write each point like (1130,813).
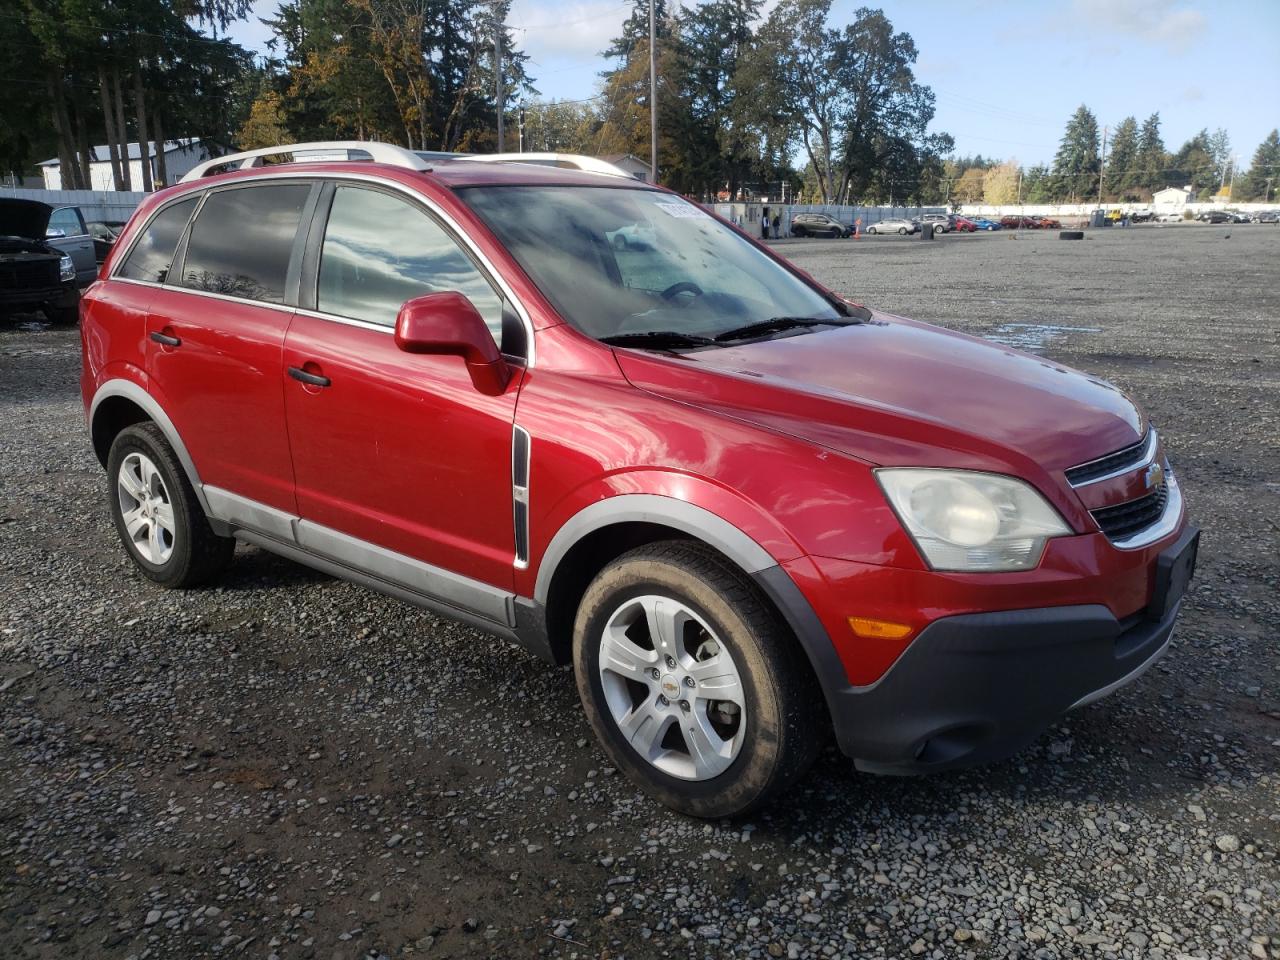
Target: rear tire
(156,513)
(676,618)
(902,231)
(871,230)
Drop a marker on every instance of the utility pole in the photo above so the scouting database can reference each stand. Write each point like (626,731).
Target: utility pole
(1102,166)
(1232,192)
(522,129)
(653,96)
(497,72)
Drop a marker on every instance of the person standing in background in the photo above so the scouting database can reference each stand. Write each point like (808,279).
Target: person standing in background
(777,222)
(764,224)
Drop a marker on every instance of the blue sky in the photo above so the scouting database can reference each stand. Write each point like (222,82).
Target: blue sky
(1007,73)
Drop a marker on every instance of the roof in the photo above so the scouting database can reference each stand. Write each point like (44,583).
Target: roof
(465,173)
(102,152)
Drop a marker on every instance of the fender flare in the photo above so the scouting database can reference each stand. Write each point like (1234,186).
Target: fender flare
(131,391)
(719,533)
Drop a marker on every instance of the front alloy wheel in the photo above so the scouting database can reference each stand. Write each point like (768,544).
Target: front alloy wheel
(691,682)
(672,688)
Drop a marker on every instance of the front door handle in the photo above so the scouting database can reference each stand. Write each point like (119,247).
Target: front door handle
(314,379)
(167,340)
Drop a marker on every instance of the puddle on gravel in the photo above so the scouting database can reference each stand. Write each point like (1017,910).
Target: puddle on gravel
(1033,336)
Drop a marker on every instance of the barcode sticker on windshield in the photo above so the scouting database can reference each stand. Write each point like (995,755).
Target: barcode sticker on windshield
(684,211)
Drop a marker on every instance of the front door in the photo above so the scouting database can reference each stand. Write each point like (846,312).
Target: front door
(394,449)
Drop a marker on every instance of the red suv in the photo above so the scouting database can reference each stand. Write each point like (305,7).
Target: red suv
(747,510)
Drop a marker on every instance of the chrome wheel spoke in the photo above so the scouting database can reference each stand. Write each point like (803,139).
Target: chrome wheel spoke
(644,727)
(619,655)
(717,679)
(707,749)
(131,483)
(164,516)
(666,624)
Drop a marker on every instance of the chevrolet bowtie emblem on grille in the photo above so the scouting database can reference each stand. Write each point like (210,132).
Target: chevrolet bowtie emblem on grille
(1154,476)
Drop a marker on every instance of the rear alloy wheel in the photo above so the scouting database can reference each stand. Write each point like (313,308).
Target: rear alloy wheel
(691,683)
(156,513)
(902,231)
(871,230)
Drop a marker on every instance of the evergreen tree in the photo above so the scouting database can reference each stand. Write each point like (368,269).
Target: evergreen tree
(1195,166)
(1075,167)
(1122,160)
(1152,158)
(1264,172)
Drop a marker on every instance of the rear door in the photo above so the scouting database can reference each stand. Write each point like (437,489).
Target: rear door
(397,450)
(215,336)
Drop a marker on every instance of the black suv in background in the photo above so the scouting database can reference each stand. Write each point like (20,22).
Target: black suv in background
(818,225)
(34,275)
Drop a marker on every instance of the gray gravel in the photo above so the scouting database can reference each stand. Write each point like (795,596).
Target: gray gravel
(290,766)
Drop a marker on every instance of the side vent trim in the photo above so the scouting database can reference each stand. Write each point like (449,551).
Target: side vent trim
(520,454)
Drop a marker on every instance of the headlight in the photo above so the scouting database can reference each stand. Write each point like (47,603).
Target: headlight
(67,268)
(963,520)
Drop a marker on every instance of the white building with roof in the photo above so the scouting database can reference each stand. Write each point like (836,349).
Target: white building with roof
(1172,199)
(179,156)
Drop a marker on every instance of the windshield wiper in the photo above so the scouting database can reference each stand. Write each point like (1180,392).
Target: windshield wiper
(658,339)
(777,324)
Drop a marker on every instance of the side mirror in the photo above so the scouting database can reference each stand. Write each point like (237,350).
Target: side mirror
(55,233)
(449,323)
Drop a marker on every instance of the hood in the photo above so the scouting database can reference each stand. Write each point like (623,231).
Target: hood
(24,218)
(898,392)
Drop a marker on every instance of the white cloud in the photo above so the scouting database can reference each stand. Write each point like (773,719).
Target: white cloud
(572,31)
(1170,24)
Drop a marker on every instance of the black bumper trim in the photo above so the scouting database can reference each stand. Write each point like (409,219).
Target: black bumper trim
(974,689)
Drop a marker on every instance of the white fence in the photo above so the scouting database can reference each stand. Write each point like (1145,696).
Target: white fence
(747,215)
(94,204)
(1084,209)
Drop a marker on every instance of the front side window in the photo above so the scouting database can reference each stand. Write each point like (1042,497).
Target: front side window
(242,241)
(380,251)
(153,253)
(65,223)
(688,273)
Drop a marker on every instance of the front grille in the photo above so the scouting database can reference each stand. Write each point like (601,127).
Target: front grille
(23,274)
(1125,519)
(1118,462)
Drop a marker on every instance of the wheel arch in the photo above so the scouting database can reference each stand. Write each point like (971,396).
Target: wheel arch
(121,403)
(605,530)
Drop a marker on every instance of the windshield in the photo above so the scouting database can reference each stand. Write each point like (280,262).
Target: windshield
(620,262)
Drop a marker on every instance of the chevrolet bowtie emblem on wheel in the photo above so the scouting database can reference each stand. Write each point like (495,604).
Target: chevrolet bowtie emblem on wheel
(1153,477)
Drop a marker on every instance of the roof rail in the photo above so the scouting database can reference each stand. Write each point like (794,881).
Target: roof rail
(572,161)
(387,153)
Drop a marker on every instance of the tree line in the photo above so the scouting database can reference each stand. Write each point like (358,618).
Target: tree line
(748,104)
(1134,166)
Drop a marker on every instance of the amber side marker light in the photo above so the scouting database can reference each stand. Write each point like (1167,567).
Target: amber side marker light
(878,629)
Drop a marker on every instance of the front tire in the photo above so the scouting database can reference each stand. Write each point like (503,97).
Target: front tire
(692,684)
(902,231)
(871,230)
(156,513)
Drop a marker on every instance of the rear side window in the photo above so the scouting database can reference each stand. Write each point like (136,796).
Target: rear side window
(242,241)
(153,253)
(380,251)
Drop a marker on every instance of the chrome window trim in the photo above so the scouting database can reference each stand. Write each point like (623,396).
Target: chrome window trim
(1167,524)
(283,307)
(1148,454)
(491,272)
(349,321)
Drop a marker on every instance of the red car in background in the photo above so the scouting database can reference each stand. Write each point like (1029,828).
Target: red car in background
(1013,222)
(749,512)
(1047,223)
(964,225)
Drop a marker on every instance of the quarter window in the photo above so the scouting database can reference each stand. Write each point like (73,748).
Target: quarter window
(242,241)
(380,251)
(153,253)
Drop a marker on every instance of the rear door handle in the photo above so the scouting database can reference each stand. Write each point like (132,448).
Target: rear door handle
(167,340)
(315,379)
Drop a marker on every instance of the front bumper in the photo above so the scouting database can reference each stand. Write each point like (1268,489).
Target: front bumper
(979,687)
(16,298)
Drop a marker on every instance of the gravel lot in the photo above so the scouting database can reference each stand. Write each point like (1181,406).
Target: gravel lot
(292,766)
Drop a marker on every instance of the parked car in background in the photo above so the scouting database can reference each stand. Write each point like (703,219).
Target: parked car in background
(1238,216)
(1142,216)
(634,236)
(1047,223)
(1269,216)
(67,232)
(986,223)
(818,225)
(942,222)
(1214,216)
(964,225)
(1170,218)
(747,510)
(897,225)
(1013,222)
(34,274)
(104,234)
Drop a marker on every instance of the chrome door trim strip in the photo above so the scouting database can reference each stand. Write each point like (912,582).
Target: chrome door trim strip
(521,462)
(245,516)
